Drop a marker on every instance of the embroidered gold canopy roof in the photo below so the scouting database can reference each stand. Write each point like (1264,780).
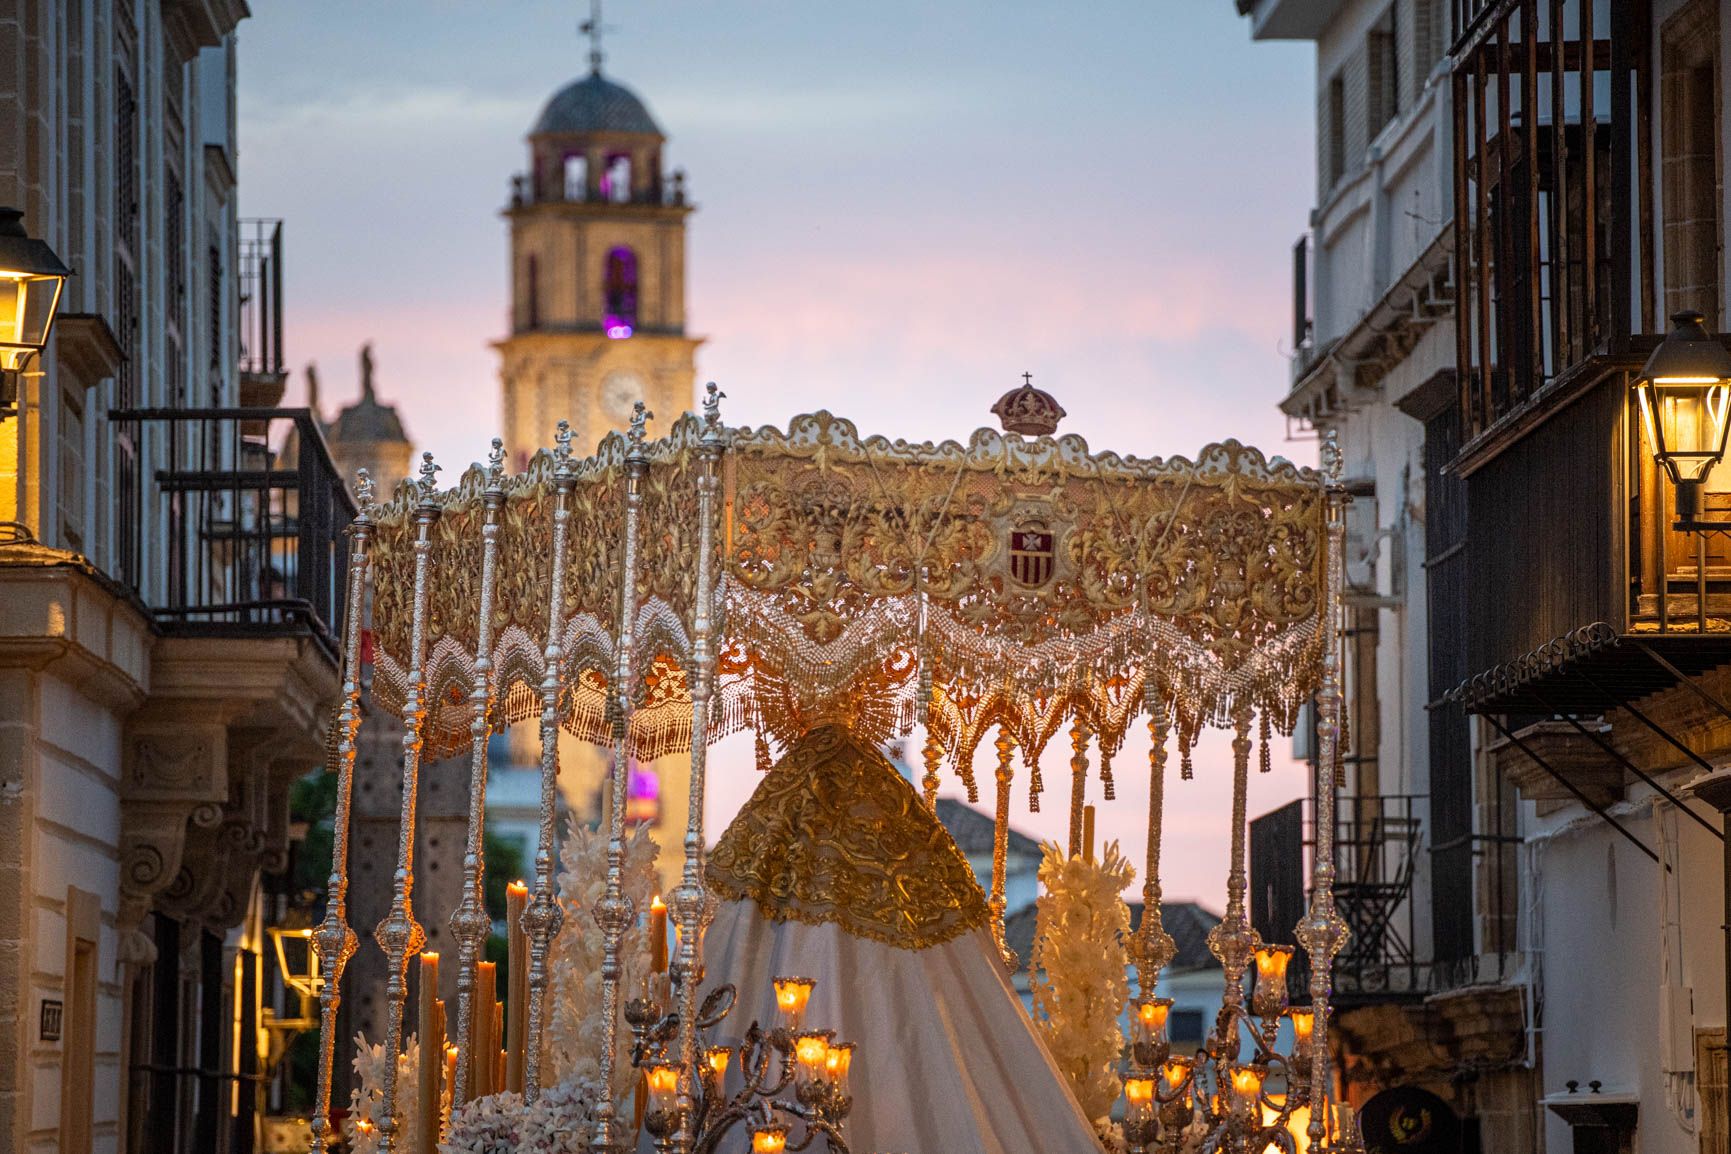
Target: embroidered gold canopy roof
(1022,583)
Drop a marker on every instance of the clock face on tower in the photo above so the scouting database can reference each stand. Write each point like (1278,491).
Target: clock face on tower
(620,390)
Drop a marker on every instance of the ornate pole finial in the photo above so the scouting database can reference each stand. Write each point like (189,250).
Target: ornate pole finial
(712,404)
(1330,456)
(562,446)
(640,418)
(364,490)
(429,480)
(496,464)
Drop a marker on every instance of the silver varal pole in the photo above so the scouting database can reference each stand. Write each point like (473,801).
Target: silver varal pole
(542,916)
(690,905)
(614,912)
(335,940)
(399,934)
(470,924)
(1322,932)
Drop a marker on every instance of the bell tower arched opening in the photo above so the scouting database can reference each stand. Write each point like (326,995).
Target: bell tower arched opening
(619,288)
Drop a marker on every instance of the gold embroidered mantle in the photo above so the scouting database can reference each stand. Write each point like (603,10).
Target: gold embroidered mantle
(1035,582)
(833,834)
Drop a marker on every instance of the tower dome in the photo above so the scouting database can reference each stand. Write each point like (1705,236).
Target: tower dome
(593,105)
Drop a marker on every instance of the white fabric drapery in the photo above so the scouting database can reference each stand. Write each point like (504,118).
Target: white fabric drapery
(947,1061)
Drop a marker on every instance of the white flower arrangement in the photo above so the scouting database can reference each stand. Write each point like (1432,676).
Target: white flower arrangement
(366,1101)
(560,1121)
(575,1027)
(1079,976)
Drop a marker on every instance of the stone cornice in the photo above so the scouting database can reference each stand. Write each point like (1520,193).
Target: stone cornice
(59,616)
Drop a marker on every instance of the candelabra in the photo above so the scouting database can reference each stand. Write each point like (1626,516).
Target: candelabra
(794,1086)
(1231,1102)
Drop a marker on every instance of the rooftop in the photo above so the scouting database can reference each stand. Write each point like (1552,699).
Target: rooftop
(973,830)
(1187,922)
(595,104)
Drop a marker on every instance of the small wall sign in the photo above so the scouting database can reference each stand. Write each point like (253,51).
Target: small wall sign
(52,1013)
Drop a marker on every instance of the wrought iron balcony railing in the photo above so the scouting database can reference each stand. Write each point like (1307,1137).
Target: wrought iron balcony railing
(239,524)
(1379,842)
(261,255)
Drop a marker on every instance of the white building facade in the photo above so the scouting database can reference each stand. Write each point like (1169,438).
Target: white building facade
(1544,672)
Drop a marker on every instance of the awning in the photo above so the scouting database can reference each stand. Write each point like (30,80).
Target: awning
(1589,672)
(1595,669)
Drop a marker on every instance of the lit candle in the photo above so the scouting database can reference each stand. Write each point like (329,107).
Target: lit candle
(658,935)
(1246,1084)
(769,1140)
(1271,963)
(1151,1018)
(516,985)
(450,1076)
(1088,832)
(791,995)
(497,1054)
(431,1049)
(1303,1026)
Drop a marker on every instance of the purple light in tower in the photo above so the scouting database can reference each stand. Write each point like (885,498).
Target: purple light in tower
(620,290)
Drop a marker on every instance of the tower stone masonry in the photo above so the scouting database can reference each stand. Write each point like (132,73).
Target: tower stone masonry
(597,324)
(597,273)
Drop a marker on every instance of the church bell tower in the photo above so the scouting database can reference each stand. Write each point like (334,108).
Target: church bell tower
(597,271)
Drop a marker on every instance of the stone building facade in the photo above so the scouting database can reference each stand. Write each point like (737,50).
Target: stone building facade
(167,656)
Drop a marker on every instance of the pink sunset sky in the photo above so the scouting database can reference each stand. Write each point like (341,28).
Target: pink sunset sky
(901,207)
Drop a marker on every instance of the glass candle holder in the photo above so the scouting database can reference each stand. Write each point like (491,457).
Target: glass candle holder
(1148,1032)
(769,1140)
(715,1060)
(1139,1097)
(791,995)
(837,1062)
(811,1053)
(1244,1085)
(1303,1021)
(1176,1073)
(663,1079)
(1270,997)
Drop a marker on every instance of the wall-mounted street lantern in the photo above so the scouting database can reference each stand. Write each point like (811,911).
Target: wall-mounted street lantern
(298,963)
(1685,397)
(31,278)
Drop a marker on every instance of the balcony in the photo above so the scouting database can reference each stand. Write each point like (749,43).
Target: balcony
(578,192)
(238,530)
(1558,278)
(1378,847)
(262,372)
